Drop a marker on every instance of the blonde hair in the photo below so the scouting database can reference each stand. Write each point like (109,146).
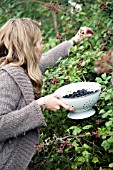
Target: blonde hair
(17,46)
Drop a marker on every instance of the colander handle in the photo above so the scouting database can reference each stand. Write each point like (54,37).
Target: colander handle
(103,89)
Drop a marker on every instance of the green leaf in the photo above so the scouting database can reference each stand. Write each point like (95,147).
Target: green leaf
(75,144)
(104,76)
(77,131)
(102,111)
(109,123)
(81,159)
(110,111)
(74,166)
(86,155)
(82,13)
(111,165)
(87,127)
(95,160)
(105,115)
(108,78)
(107,97)
(110,140)
(99,80)
(83,63)
(109,23)
(110,150)
(86,146)
(105,145)
(81,47)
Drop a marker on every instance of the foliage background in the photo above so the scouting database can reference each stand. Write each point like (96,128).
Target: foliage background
(67,144)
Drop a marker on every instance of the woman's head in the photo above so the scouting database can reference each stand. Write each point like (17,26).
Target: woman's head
(20,44)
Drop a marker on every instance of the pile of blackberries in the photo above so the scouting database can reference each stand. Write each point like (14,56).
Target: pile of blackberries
(79,93)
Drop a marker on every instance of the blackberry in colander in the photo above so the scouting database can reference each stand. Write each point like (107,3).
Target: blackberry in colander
(79,93)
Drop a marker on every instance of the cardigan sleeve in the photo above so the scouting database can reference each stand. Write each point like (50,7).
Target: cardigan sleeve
(49,59)
(14,122)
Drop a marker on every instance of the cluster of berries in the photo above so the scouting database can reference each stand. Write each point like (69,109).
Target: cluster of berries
(105,6)
(60,37)
(56,7)
(103,64)
(54,80)
(79,93)
(79,64)
(95,134)
(107,37)
(62,146)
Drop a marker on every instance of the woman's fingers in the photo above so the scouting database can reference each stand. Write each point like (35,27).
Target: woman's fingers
(86,32)
(90,31)
(62,104)
(54,103)
(65,106)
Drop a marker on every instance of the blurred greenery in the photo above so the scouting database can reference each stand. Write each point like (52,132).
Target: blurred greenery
(67,144)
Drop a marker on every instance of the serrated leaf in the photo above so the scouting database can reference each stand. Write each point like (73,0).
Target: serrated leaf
(86,146)
(86,155)
(104,76)
(95,160)
(74,165)
(77,131)
(102,111)
(109,123)
(105,115)
(99,80)
(75,144)
(108,96)
(109,111)
(105,145)
(81,159)
(108,78)
(110,140)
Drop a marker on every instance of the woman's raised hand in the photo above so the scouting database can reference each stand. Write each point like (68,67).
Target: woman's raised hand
(84,32)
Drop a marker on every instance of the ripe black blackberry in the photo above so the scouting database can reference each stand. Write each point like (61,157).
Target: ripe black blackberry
(79,93)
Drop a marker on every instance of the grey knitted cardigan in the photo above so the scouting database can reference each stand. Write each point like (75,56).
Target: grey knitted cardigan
(20,116)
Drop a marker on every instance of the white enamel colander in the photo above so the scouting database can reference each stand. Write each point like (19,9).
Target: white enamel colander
(82,105)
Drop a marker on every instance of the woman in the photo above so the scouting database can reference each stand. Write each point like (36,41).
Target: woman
(21,104)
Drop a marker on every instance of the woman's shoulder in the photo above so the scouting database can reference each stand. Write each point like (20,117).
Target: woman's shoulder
(8,78)
(12,68)
(16,72)
(9,72)
(19,79)
(8,87)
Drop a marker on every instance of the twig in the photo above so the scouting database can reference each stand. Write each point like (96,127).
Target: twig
(94,145)
(83,77)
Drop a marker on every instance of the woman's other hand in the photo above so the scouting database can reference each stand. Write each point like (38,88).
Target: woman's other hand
(53,103)
(84,32)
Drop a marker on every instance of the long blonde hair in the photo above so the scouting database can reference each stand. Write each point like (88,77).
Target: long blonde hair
(17,46)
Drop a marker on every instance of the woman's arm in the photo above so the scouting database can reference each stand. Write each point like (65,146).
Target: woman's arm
(49,59)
